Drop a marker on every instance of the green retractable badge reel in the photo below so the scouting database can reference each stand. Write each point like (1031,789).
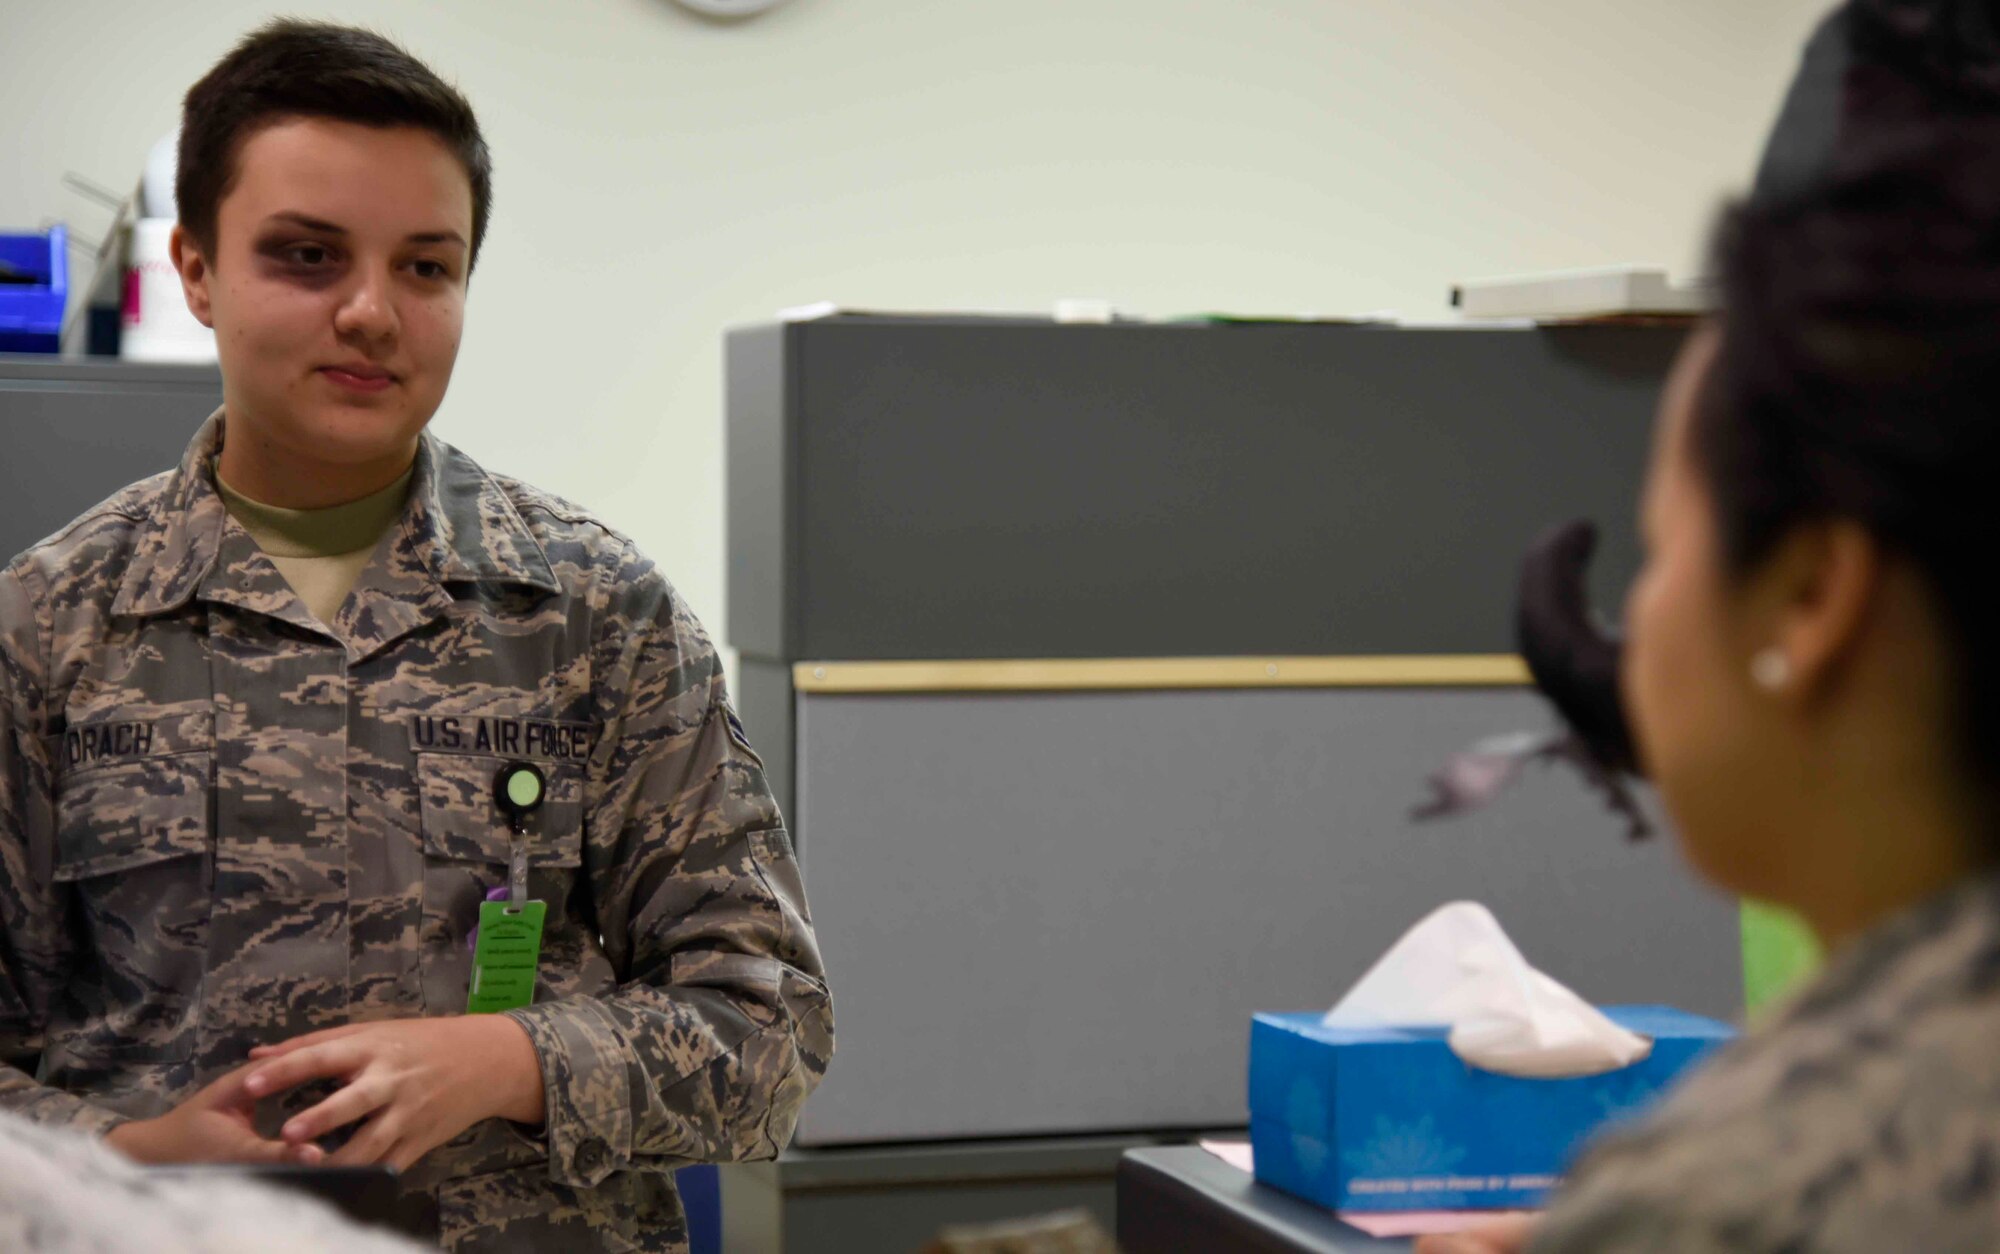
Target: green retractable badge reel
(509,947)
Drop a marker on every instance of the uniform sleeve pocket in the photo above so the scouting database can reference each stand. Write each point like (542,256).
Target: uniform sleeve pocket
(463,823)
(709,968)
(116,818)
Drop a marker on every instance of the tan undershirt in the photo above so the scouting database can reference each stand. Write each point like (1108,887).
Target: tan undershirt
(320,552)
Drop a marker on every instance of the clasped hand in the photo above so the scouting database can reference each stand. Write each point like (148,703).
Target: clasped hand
(409,1084)
(1508,1235)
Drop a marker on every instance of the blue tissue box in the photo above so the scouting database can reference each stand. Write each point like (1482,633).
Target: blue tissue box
(1391,1119)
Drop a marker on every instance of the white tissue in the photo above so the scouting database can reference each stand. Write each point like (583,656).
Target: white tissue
(1458,968)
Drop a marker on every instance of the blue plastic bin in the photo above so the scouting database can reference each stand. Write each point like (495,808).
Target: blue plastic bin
(31,314)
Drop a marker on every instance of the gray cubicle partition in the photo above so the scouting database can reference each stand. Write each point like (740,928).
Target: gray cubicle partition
(1056,912)
(937,488)
(953,488)
(74,432)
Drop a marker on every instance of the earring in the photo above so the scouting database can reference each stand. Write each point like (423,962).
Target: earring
(1771,669)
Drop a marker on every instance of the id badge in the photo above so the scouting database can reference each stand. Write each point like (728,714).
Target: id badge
(506,956)
(509,945)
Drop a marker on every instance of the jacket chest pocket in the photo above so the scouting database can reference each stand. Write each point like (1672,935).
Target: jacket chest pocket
(468,849)
(134,843)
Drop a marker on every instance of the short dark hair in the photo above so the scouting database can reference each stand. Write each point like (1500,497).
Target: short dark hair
(289,69)
(1858,377)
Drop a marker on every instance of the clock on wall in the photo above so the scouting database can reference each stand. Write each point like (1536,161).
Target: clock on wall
(730,8)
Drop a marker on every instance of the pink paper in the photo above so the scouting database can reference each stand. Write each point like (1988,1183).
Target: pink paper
(1411,1223)
(1235,1153)
(1394,1223)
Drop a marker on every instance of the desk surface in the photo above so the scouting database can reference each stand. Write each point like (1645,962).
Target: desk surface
(1176,1198)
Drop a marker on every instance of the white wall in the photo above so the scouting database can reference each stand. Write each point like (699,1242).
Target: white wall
(660,177)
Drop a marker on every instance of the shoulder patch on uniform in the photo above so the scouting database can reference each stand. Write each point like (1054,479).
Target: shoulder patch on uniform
(738,737)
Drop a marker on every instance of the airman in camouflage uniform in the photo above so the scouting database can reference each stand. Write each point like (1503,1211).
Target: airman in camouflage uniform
(221,826)
(1864,1118)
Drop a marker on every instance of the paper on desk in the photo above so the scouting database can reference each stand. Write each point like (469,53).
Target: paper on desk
(1457,968)
(1235,1153)
(1409,1223)
(1418,1223)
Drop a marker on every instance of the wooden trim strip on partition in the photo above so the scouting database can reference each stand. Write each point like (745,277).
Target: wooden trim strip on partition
(1465,670)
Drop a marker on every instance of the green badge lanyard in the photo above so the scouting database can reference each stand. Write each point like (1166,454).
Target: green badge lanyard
(510,932)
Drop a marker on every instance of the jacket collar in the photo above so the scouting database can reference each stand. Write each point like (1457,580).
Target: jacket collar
(458,527)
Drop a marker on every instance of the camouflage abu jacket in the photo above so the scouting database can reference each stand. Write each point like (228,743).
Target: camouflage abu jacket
(1863,1118)
(221,827)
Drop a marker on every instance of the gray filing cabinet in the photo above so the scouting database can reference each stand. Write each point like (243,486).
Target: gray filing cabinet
(1050,906)
(74,432)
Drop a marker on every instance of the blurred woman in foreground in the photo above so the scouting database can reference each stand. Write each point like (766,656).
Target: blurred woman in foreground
(1813,675)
